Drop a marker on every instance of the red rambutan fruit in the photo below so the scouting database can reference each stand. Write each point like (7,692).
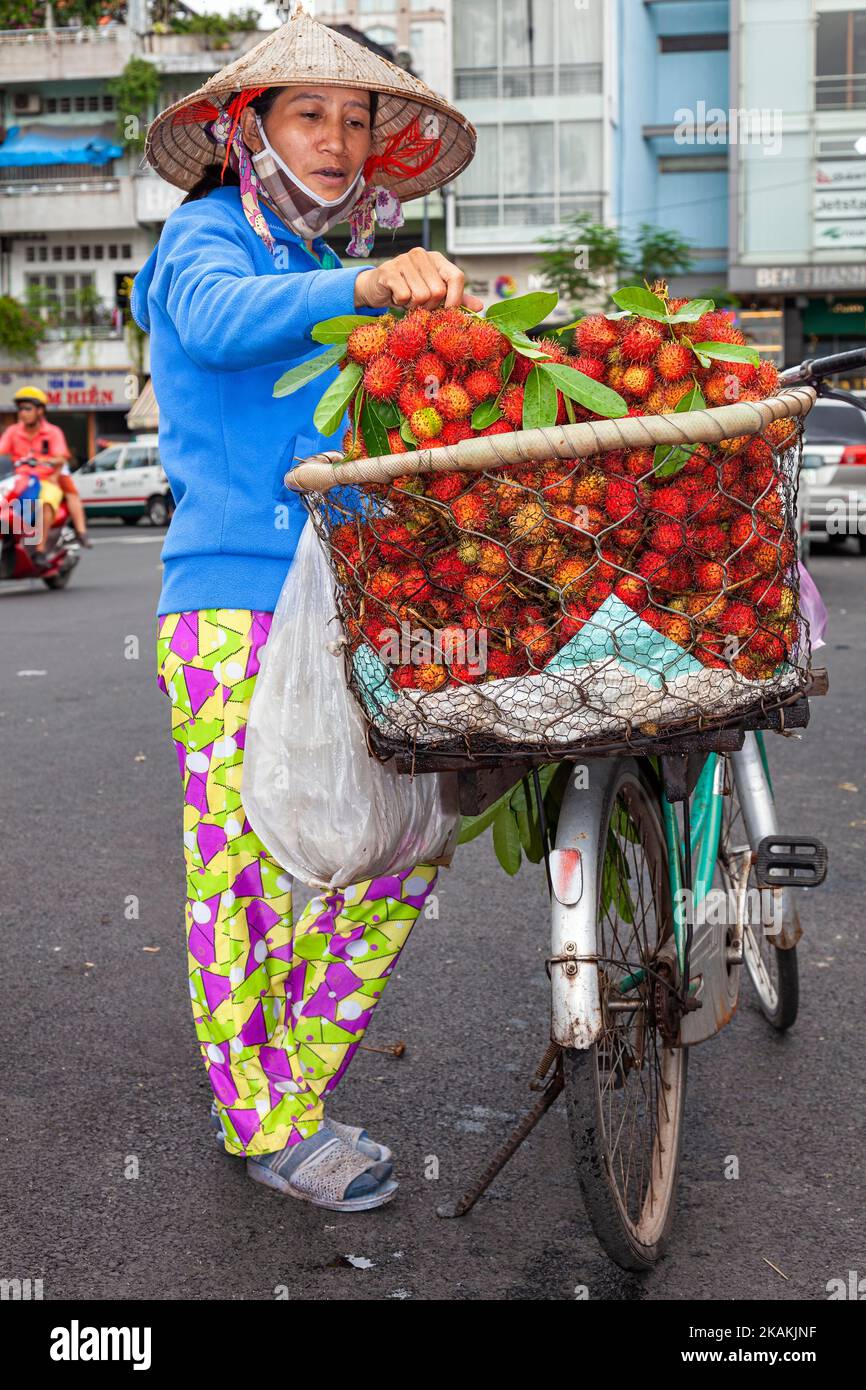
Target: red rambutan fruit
(670,500)
(673,361)
(596,335)
(641,341)
(453,431)
(484,340)
(453,402)
(367,341)
(471,512)
(408,337)
(511,405)
(638,381)
(482,384)
(451,340)
(383,377)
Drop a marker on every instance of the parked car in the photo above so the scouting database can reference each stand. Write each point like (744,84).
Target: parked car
(834,470)
(127,480)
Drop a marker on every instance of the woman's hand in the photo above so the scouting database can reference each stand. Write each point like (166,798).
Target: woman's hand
(417,279)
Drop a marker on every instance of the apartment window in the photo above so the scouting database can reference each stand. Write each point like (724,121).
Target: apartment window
(57,253)
(108,103)
(84,252)
(69,252)
(500,53)
(93,103)
(693,164)
(693,43)
(112,251)
(50,105)
(840,59)
(98,251)
(43,253)
(67,300)
(383,34)
(64,104)
(80,104)
(30,253)
(531,174)
(126,251)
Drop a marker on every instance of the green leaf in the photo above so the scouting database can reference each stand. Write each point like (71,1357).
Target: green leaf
(487,413)
(388,414)
(637,300)
(373,430)
(581,388)
(667,459)
(293,380)
(525,311)
(407,435)
(526,346)
(506,840)
(539,400)
(569,409)
(507,368)
(332,407)
(691,312)
(337,330)
(727,352)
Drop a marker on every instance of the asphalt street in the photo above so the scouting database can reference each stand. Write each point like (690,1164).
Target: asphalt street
(112,1185)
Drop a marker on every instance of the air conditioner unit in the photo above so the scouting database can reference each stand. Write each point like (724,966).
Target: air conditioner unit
(26,103)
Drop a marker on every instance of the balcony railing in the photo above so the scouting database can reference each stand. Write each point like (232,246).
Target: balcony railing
(551,80)
(841,92)
(542,210)
(68,35)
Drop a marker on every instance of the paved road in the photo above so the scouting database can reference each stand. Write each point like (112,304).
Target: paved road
(111,1184)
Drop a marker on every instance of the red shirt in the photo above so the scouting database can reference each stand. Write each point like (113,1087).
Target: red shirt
(18,443)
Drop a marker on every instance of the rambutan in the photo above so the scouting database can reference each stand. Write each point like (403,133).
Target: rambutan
(453,431)
(709,575)
(449,569)
(632,591)
(641,341)
(429,372)
(498,427)
(656,401)
(471,511)
(667,537)
(493,559)
(710,542)
(385,584)
(590,488)
(411,398)
(425,423)
(638,463)
(620,498)
(670,500)
(615,374)
(353,445)
(542,558)
(674,393)
(552,349)
(676,628)
(501,664)
(453,402)
(367,341)
(483,591)
(673,361)
(767,379)
(769,645)
(469,549)
(408,337)
(590,366)
(484,340)
(537,641)
(396,542)
(383,377)
(572,575)
(556,483)
(430,676)
(404,677)
(451,340)
(482,384)
(738,620)
(396,443)
(596,335)
(638,381)
(721,387)
(511,405)
(715,327)
(530,521)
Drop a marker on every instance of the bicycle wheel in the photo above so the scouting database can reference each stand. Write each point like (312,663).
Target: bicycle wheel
(772,970)
(625,1095)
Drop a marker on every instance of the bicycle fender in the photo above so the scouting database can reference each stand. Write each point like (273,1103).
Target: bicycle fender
(575,1012)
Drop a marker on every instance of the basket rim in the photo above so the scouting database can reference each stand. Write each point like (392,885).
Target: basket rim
(321,472)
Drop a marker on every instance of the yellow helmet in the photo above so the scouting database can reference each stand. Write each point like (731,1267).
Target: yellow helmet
(30,393)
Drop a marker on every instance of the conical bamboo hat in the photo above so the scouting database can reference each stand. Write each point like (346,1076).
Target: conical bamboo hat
(180,149)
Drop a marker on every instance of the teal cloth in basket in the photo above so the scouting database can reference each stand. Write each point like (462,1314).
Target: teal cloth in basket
(614,631)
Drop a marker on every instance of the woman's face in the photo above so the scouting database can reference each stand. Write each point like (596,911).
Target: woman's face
(322,134)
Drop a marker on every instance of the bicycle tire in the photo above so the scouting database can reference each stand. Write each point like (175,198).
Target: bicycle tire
(633,1227)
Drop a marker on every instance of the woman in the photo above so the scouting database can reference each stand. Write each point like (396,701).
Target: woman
(305,130)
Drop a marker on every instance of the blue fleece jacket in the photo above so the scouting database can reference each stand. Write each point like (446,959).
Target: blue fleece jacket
(226,319)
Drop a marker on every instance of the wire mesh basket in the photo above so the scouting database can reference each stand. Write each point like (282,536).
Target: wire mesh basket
(553,590)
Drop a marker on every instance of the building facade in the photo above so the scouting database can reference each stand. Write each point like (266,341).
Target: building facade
(79,214)
(798,205)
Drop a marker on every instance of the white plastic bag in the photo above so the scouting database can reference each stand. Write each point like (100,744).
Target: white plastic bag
(323,807)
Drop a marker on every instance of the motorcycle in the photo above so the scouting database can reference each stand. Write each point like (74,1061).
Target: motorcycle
(19,529)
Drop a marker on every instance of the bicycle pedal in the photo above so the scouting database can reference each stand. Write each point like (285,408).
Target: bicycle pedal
(787,861)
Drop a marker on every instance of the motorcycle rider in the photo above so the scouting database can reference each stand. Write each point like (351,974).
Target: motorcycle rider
(34,438)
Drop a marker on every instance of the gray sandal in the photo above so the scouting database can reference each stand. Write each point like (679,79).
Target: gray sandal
(353,1135)
(324,1171)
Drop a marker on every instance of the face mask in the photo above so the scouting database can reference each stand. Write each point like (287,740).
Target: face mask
(298,206)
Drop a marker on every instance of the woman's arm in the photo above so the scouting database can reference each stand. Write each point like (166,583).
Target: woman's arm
(227,317)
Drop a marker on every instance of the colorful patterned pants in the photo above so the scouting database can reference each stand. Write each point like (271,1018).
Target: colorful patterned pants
(279,1008)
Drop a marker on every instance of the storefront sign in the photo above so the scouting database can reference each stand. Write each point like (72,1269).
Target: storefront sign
(69,389)
(840,174)
(833,206)
(790,279)
(840,236)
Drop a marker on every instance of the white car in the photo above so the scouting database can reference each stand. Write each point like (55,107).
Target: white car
(834,467)
(127,480)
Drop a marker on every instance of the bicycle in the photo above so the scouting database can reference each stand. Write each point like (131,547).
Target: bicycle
(641,969)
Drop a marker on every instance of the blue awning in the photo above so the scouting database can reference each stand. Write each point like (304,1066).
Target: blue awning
(45,144)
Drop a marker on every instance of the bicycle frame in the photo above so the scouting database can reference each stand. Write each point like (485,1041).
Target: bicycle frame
(576,1013)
